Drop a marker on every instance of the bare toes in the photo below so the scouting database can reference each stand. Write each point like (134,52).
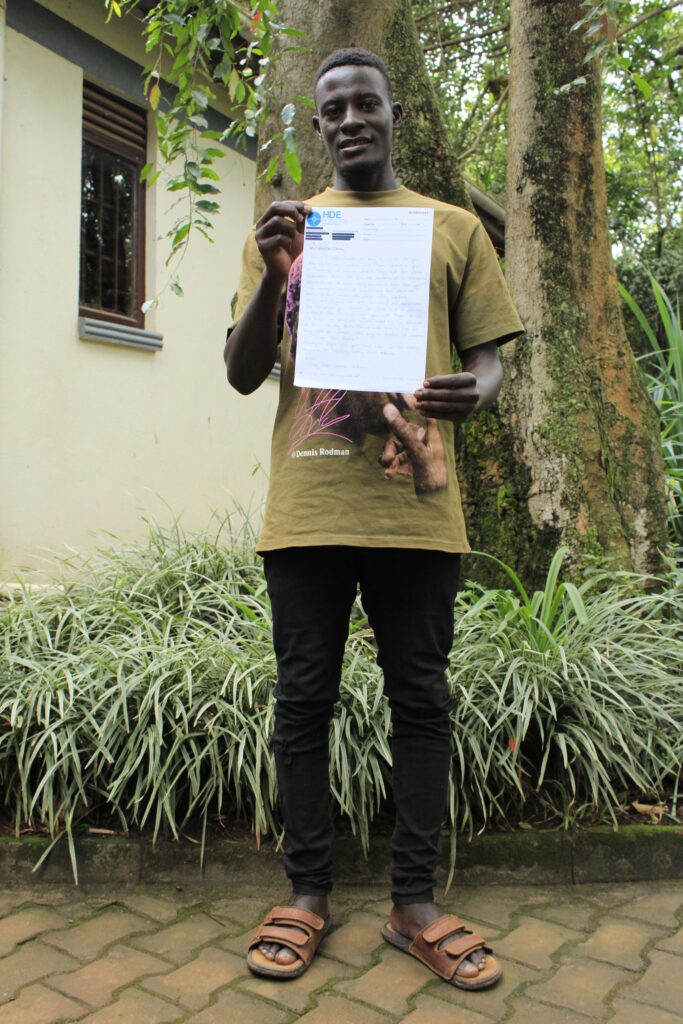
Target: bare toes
(285,956)
(467,969)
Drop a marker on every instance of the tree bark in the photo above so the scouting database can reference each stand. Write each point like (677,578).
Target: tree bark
(424,159)
(582,429)
(572,454)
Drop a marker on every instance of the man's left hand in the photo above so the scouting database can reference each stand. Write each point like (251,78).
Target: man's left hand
(452,396)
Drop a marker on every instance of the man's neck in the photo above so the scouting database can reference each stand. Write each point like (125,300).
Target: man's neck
(367,181)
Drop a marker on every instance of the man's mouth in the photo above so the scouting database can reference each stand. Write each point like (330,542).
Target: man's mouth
(356,144)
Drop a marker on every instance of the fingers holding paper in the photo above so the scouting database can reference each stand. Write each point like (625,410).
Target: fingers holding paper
(452,396)
(280,235)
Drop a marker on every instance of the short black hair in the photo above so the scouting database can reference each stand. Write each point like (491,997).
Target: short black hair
(353,55)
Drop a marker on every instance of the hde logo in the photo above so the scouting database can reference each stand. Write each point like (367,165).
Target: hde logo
(315,217)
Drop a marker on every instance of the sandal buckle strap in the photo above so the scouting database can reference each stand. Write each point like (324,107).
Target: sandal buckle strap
(292,915)
(442,927)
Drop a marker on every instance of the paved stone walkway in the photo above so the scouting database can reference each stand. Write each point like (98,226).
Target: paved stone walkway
(151,955)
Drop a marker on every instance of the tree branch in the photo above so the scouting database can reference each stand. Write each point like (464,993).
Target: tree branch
(444,9)
(646,17)
(493,113)
(460,40)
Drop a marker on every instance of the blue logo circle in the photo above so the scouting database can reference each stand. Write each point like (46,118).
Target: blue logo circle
(313,219)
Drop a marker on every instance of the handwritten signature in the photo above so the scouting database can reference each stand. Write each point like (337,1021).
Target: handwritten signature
(317,417)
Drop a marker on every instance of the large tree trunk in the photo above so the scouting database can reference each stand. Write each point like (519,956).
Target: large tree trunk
(423,157)
(572,455)
(585,436)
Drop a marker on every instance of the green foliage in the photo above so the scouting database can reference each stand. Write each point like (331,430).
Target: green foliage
(663,367)
(142,688)
(466,50)
(201,47)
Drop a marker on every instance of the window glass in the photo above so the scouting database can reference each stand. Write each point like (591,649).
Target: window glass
(108,218)
(112,261)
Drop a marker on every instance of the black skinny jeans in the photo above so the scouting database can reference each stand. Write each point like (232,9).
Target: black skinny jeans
(408,596)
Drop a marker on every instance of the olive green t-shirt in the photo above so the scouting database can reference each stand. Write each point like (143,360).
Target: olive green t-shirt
(340,473)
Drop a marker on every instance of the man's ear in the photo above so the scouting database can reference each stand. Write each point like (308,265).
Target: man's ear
(316,125)
(397,114)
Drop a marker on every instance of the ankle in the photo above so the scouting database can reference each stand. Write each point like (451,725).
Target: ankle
(316,904)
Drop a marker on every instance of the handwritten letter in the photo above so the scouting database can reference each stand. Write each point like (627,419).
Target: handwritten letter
(364,299)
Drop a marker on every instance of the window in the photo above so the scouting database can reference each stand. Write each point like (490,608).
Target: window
(112,272)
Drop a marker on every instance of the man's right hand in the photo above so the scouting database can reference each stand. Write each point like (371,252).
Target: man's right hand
(280,235)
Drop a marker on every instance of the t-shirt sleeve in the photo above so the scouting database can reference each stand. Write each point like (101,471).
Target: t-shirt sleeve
(250,277)
(483,310)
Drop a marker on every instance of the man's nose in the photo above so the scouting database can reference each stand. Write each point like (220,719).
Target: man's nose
(352,119)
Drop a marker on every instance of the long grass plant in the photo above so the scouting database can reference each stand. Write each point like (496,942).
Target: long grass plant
(141,690)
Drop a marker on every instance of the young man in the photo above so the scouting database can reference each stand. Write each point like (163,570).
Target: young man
(374,502)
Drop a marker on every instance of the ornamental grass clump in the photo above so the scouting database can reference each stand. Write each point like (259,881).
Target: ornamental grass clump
(140,691)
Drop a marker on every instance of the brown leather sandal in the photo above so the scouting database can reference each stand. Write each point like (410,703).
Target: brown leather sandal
(298,929)
(445,959)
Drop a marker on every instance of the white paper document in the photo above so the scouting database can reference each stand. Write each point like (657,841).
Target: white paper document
(364,299)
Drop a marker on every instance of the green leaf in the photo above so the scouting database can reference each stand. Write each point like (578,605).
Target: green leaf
(273,165)
(154,96)
(293,166)
(207,206)
(306,100)
(233,83)
(289,137)
(176,289)
(643,86)
(287,113)
(146,171)
(180,235)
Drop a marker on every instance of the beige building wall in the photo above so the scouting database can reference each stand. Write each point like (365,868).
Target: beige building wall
(94,436)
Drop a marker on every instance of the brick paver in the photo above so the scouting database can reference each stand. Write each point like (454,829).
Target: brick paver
(660,985)
(575,914)
(432,1011)
(97,981)
(297,994)
(659,907)
(39,1005)
(86,941)
(354,942)
(570,955)
(29,963)
(672,944)
(490,1002)
(135,1007)
(582,986)
(156,907)
(619,941)
(179,941)
(233,1007)
(336,1010)
(390,984)
(533,942)
(193,984)
(526,1011)
(25,924)
(633,1013)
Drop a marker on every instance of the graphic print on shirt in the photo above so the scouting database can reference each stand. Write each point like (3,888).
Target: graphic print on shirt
(410,449)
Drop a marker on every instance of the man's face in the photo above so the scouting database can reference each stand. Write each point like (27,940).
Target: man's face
(356,119)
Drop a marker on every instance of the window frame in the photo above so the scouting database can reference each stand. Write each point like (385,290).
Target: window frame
(138,157)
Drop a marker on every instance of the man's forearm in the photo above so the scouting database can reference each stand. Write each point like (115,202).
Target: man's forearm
(251,349)
(484,363)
